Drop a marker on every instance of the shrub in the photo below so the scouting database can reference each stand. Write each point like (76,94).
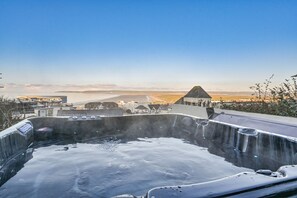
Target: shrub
(279,100)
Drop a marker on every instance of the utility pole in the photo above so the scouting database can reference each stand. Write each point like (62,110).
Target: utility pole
(1,86)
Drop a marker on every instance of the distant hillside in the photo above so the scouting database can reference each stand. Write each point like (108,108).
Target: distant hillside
(235,93)
(230,93)
(124,91)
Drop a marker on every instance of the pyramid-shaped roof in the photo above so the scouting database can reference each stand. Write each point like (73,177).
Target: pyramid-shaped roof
(180,101)
(197,92)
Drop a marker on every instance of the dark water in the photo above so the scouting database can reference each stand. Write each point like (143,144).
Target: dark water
(109,168)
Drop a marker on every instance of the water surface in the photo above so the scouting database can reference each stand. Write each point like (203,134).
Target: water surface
(108,168)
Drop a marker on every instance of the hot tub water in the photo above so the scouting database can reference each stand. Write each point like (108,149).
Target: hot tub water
(109,167)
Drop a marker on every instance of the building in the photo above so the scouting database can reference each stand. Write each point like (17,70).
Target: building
(154,108)
(197,96)
(110,105)
(62,99)
(57,108)
(101,105)
(44,99)
(93,105)
(129,106)
(141,109)
(44,112)
(158,108)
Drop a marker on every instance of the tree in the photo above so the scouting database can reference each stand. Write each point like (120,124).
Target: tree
(7,107)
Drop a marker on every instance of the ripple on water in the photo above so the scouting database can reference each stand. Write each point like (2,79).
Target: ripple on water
(113,167)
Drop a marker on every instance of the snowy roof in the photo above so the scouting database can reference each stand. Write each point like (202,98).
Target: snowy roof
(154,106)
(141,107)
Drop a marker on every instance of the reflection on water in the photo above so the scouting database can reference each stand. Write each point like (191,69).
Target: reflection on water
(108,167)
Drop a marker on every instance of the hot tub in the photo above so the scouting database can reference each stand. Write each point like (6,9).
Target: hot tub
(170,155)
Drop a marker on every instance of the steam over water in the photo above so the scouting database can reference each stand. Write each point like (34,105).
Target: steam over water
(109,168)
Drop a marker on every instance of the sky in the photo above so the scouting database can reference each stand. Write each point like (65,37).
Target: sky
(222,45)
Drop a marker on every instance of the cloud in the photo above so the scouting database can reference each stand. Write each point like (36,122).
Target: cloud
(91,86)
(12,85)
(38,85)
(74,87)
(87,87)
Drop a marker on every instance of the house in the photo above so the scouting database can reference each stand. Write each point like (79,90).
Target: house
(141,109)
(101,105)
(44,112)
(130,106)
(197,96)
(110,105)
(64,107)
(44,99)
(93,105)
(154,108)
(164,108)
